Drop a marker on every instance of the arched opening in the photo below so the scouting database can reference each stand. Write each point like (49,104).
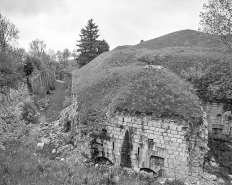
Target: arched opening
(148,171)
(103,160)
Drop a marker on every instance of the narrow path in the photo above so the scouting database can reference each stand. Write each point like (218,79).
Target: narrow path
(56,99)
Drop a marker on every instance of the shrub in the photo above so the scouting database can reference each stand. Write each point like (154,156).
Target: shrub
(29,113)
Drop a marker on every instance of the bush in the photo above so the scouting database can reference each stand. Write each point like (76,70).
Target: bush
(29,113)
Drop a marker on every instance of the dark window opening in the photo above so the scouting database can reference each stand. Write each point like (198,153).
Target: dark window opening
(138,151)
(68,126)
(104,130)
(219,115)
(113,146)
(159,161)
(150,143)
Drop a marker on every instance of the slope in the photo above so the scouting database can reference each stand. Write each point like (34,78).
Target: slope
(119,79)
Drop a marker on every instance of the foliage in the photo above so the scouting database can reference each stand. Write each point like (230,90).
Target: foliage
(212,82)
(8,33)
(89,46)
(12,126)
(222,153)
(21,164)
(28,67)
(102,46)
(29,113)
(37,48)
(10,72)
(66,54)
(59,56)
(11,58)
(216,19)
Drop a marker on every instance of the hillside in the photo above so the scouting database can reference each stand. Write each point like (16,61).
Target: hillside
(119,80)
(183,38)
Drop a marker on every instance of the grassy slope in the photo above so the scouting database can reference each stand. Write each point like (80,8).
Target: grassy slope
(112,75)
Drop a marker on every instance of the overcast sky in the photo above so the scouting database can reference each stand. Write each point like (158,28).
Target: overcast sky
(120,22)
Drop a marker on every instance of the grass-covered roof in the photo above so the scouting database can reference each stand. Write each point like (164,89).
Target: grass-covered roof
(118,80)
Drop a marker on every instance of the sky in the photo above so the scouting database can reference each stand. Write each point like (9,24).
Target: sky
(120,22)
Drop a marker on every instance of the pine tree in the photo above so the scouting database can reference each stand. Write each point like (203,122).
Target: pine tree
(89,46)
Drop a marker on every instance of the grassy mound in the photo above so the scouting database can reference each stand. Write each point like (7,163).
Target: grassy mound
(118,80)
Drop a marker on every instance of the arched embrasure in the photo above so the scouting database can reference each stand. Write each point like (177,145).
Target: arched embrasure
(103,160)
(148,170)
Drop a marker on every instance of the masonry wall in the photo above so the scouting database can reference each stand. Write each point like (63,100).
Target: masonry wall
(157,145)
(219,121)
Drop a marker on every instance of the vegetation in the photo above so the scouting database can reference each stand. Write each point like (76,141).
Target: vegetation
(216,20)
(120,82)
(222,153)
(8,33)
(89,46)
(213,82)
(22,165)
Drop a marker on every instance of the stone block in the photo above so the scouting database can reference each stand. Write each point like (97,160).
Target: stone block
(176,144)
(179,128)
(152,128)
(174,132)
(127,119)
(182,145)
(173,147)
(150,131)
(179,140)
(179,149)
(173,139)
(146,127)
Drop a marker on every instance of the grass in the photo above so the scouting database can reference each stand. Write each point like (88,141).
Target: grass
(222,153)
(109,81)
(19,165)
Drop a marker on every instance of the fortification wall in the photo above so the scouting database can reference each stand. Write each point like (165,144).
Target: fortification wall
(219,121)
(161,146)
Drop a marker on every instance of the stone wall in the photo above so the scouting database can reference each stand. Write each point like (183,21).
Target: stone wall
(43,81)
(165,147)
(219,121)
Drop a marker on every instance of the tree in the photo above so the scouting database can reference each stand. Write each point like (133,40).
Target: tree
(9,72)
(102,46)
(88,43)
(52,55)
(74,54)
(28,69)
(217,20)
(8,33)
(37,48)
(66,54)
(59,56)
